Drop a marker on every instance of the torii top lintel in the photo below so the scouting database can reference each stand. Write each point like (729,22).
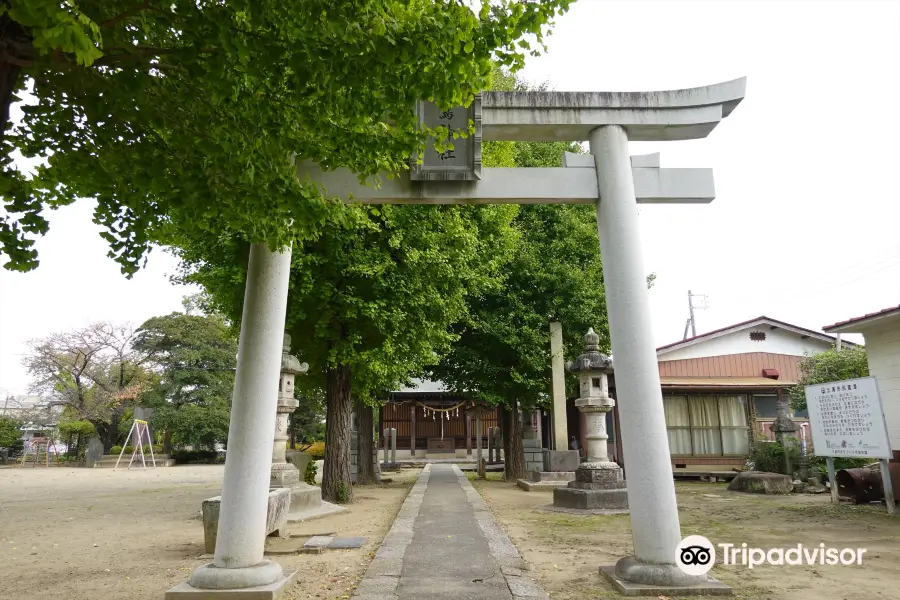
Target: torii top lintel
(684,114)
(550,116)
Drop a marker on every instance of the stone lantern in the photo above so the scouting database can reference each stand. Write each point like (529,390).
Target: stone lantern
(284,474)
(594,401)
(598,481)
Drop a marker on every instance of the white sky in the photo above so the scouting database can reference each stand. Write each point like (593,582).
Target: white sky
(806,224)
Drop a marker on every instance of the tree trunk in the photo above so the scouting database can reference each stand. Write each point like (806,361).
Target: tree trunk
(167,442)
(103,433)
(365,444)
(514,459)
(336,486)
(112,434)
(12,37)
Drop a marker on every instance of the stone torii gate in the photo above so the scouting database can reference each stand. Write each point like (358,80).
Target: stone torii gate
(607,177)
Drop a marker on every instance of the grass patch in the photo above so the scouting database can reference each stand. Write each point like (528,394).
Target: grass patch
(838,511)
(489,476)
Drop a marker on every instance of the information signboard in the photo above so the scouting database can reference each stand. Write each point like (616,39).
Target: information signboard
(846,419)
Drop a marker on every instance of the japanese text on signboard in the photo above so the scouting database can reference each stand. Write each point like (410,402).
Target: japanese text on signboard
(846,419)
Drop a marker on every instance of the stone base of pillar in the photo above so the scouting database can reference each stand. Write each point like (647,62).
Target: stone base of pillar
(600,488)
(211,575)
(667,575)
(306,500)
(284,475)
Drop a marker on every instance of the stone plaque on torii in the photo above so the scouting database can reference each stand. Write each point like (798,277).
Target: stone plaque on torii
(608,178)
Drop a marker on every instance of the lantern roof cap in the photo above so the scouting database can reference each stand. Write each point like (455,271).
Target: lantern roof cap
(591,359)
(289,362)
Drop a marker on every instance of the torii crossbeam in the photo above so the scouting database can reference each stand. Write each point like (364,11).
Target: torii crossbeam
(609,178)
(652,185)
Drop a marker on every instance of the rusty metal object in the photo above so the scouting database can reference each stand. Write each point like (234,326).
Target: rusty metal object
(861,485)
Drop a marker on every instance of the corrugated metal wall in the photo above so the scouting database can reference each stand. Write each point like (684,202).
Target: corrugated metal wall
(749,364)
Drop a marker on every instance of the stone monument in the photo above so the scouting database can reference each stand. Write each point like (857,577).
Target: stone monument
(306,500)
(598,481)
(784,428)
(531,441)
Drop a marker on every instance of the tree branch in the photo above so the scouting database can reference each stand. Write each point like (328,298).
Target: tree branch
(125,15)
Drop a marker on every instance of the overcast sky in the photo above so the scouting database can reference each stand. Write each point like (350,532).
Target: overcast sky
(806,224)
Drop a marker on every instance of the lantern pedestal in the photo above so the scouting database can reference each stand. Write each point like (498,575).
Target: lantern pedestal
(594,489)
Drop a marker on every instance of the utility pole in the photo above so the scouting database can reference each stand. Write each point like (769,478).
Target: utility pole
(691,322)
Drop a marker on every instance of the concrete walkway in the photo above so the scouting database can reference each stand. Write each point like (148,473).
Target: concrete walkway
(446,545)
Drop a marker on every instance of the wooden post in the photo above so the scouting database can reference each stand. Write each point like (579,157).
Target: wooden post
(468,435)
(829,463)
(393,446)
(490,445)
(412,430)
(888,487)
(478,440)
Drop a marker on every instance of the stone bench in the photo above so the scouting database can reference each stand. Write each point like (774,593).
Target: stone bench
(276,516)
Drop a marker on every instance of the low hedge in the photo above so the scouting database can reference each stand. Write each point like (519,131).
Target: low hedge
(157,449)
(185,457)
(316,449)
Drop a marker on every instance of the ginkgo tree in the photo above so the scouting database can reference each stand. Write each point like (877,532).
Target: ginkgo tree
(184,117)
(371,301)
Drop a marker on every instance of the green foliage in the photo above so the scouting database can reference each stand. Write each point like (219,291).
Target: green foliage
(310,475)
(157,449)
(195,360)
(831,365)
(818,463)
(553,273)
(377,291)
(307,423)
(343,494)
(185,457)
(181,119)
(769,457)
(83,427)
(316,450)
(9,431)
(56,26)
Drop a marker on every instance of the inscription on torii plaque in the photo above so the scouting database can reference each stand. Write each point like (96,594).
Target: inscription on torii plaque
(463,162)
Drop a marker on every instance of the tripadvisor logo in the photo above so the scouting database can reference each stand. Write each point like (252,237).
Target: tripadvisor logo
(696,555)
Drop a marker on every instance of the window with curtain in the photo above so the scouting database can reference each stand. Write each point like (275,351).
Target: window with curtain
(733,420)
(678,424)
(707,425)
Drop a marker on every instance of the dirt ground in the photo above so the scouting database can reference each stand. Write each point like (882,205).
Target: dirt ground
(565,550)
(85,534)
